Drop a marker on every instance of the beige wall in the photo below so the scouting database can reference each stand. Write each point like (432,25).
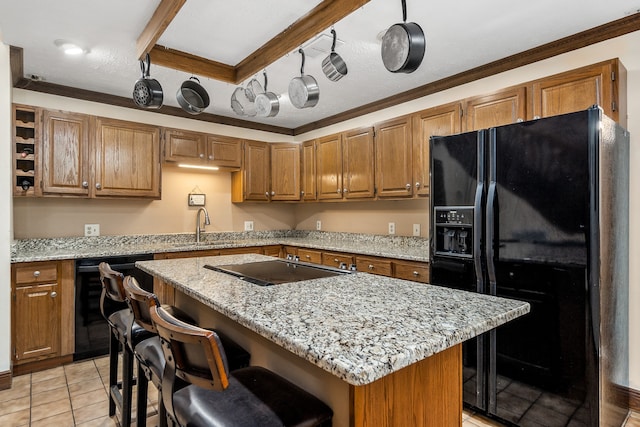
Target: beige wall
(172,215)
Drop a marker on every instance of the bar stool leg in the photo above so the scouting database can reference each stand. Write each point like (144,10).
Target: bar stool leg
(143,387)
(114,349)
(127,385)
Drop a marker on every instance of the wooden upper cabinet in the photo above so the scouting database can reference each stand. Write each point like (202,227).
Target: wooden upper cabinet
(438,121)
(308,176)
(199,148)
(603,84)
(394,159)
(285,171)
(358,164)
(253,181)
(329,167)
(499,108)
(180,145)
(127,159)
(65,153)
(224,151)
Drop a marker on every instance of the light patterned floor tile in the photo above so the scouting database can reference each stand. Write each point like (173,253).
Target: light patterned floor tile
(61,420)
(49,396)
(15,405)
(50,409)
(15,419)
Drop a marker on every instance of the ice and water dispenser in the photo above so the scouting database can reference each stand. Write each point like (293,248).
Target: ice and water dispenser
(454,231)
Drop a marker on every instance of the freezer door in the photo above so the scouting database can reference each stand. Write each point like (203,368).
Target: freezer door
(540,172)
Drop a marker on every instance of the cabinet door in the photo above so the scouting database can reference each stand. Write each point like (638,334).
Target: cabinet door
(65,148)
(184,146)
(440,121)
(36,322)
(256,171)
(329,167)
(394,158)
(500,108)
(358,164)
(224,151)
(127,159)
(309,170)
(285,171)
(578,90)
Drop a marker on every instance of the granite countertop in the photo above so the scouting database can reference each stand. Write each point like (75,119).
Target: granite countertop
(359,327)
(29,250)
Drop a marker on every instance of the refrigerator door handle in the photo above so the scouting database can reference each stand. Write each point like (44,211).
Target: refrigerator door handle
(490,230)
(477,235)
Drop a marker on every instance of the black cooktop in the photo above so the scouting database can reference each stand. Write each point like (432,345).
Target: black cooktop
(275,272)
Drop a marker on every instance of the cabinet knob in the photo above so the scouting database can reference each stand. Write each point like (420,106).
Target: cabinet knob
(85,184)
(308,256)
(370,266)
(415,273)
(345,190)
(54,294)
(339,191)
(201,155)
(408,187)
(417,185)
(36,273)
(302,193)
(336,260)
(98,186)
(273,193)
(266,193)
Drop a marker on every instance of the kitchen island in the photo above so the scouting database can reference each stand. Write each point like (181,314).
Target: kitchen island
(379,351)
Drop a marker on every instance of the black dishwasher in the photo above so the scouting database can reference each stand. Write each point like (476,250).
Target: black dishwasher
(91,329)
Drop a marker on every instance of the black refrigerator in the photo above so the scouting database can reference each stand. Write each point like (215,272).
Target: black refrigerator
(538,211)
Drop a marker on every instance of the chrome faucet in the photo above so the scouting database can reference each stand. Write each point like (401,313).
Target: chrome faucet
(207,221)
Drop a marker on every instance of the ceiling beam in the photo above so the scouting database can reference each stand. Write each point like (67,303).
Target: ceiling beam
(162,17)
(317,20)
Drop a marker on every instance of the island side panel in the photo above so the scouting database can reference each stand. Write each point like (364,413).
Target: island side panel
(322,384)
(425,394)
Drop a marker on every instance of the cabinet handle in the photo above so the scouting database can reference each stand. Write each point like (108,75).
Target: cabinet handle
(415,273)
(98,186)
(273,193)
(336,260)
(308,256)
(339,191)
(36,273)
(370,266)
(408,187)
(201,156)
(266,193)
(210,156)
(302,193)
(417,185)
(85,184)
(54,294)
(345,190)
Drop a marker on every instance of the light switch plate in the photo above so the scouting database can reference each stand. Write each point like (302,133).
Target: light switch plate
(197,199)
(416,229)
(318,225)
(248,226)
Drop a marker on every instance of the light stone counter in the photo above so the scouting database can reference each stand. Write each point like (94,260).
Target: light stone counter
(359,327)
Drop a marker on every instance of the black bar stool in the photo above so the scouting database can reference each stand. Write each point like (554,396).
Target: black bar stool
(149,355)
(123,330)
(199,391)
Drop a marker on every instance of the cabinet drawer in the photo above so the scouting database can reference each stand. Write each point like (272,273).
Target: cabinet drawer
(273,250)
(309,255)
(335,259)
(36,273)
(373,265)
(242,250)
(418,272)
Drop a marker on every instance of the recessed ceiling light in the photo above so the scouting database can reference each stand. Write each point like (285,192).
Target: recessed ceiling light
(69,48)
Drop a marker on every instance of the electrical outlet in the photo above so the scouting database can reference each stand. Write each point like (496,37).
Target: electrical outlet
(318,225)
(392,228)
(248,226)
(91,230)
(416,229)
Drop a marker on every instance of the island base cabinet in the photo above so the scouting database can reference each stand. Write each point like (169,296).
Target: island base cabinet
(427,393)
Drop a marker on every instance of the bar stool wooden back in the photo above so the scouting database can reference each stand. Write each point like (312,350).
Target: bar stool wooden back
(199,390)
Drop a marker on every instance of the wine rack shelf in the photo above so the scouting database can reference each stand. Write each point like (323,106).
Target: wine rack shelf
(25,153)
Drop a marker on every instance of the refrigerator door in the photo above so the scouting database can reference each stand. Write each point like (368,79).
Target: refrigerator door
(457,198)
(538,229)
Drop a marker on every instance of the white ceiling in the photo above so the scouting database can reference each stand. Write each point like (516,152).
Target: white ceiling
(460,35)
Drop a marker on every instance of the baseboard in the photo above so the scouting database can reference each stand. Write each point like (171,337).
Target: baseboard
(41,365)
(634,399)
(5,380)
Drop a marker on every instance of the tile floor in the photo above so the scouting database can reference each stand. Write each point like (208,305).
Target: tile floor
(76,395)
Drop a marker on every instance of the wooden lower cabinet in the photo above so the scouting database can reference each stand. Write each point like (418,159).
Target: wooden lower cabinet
(310,255)
(337,260)
(42,323)
(381,266)
(414,271)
